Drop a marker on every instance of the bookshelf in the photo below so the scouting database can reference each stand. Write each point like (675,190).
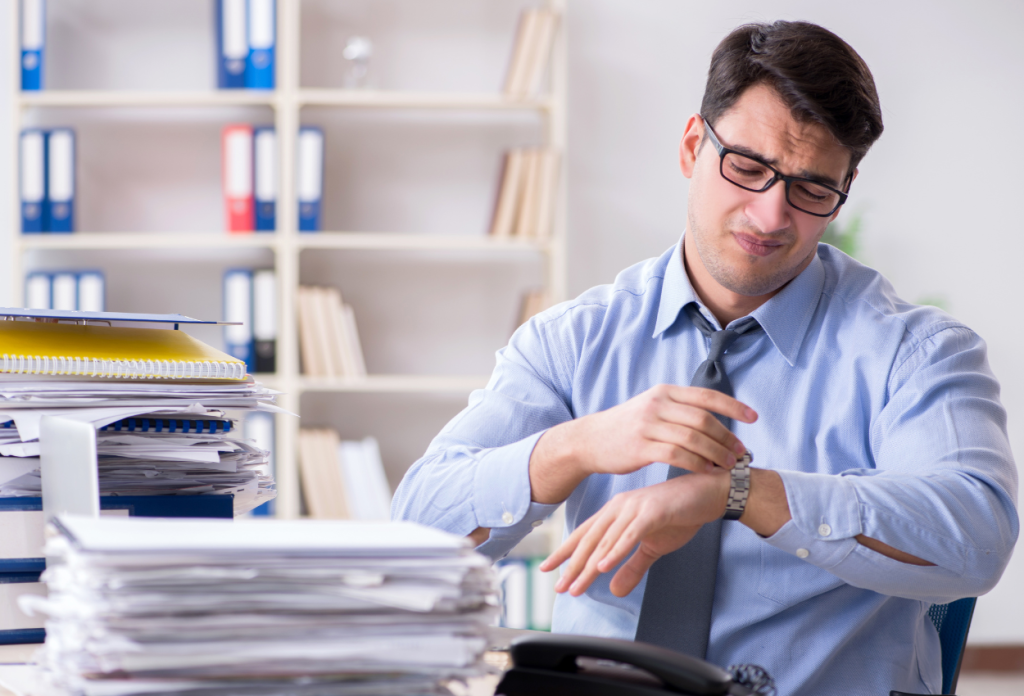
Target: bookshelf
(288,106)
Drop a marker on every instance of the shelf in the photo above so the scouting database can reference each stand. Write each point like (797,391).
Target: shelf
(306,97)
(389,240)
(419,100)
(101,98)
(147,240)
(393,383)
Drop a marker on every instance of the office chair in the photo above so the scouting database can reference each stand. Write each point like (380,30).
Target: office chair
(952,621)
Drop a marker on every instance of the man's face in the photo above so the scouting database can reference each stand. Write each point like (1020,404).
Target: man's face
(754,243)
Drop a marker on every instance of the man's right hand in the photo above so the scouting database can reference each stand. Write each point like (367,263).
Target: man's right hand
(666,423)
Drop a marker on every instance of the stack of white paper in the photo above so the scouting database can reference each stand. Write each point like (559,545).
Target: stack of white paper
(160,453)
(211,607)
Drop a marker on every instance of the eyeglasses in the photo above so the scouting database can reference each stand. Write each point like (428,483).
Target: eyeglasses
(750,174)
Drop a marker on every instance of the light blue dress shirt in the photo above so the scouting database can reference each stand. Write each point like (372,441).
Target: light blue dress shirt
(882,418)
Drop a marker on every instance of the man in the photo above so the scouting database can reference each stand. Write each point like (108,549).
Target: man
(882,481)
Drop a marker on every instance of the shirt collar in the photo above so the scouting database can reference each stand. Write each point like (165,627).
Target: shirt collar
(785,317)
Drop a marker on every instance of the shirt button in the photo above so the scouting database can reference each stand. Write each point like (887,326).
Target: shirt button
(824,530)
(507,518)
(802,553)
(537,523)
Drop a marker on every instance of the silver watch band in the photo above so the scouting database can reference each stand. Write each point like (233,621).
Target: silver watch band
(739,488)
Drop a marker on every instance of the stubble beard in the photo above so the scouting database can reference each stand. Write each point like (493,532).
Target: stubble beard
(761,279)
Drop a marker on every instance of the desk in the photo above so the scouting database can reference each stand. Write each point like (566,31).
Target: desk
(482,686)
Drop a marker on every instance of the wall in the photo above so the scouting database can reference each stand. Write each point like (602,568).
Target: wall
(933,192)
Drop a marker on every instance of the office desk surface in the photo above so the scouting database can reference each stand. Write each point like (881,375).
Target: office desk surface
(483,686)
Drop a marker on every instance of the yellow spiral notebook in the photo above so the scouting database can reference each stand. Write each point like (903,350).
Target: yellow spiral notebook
(30,347)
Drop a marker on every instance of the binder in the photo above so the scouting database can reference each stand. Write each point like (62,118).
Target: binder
(232,43)
(238,307)
(264,320)
(259,428)
(15,625)
(515,584)
(169,425)
(238,198)
(64,292)
(60,174)
(33,180)
(265,169)
(91,292)
(21,518)
(33,43)
(262,26)
(30,347)
(310,177)
(37,291)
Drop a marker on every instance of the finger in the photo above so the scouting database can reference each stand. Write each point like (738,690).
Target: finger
(563,552)
(623,521)
(702,421)
(702,448)
(632,572)
(624,543)
(585,549)
(714,401)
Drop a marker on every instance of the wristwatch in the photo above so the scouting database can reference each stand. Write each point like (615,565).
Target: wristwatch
(739,487)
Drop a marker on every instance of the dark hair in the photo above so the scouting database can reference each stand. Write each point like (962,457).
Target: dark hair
(817,74)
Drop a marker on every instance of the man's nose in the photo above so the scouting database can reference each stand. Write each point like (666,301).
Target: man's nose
(770,210)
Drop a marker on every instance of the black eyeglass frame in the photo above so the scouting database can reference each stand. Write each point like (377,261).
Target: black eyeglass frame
(779,176)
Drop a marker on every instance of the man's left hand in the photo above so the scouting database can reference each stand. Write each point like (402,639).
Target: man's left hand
(660,518)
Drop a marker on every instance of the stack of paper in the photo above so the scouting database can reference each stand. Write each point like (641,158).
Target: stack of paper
(211,607)
(147,442)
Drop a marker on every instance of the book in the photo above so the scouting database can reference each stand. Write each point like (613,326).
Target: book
(265,178)
(310,177)
(509,195)
(111,351)
(262,31)
(515,76)
(33,44)
(60,180)
(308,327)
(323,487)
(237,151)
(526,221)
(32,180)
(238,308)
(328,335)
(232,43)
(531,53)
(264,319)
(366,483)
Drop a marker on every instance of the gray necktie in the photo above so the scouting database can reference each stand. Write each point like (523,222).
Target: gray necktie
(676,610)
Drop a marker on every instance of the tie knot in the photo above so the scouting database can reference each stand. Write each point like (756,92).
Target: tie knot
(720,340)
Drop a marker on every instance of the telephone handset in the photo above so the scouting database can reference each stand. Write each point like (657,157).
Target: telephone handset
(571,665)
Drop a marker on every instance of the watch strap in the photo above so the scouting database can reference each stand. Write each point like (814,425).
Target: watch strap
(739,488)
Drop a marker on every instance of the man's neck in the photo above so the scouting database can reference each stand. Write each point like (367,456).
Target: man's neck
(726,305)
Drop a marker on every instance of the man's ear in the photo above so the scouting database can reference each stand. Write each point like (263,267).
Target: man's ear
(689,145)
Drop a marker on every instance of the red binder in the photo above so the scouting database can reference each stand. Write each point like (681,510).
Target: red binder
(238,178)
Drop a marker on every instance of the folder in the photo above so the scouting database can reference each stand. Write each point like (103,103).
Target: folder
(15,625)
(310,177)
(232,43)
(37,291)
(265,170)
(91,292)
(238,307)
(262,26)
(64,292)
(264,320)
(33,180)
(60,174)
(33,43)
(30,347)
(238,196)
(259,428)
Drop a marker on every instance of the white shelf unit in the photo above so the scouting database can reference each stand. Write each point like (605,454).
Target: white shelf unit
(286,244)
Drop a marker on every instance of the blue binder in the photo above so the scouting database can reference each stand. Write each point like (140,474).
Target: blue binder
(259,427)
(232,43)
(265,178)
(33,180)
(238,308)
(38,289)
(33,43)
(310,177)
(60,180)
(259,67)
(10,584)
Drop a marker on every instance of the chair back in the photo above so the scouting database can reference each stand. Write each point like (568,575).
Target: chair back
(952,621)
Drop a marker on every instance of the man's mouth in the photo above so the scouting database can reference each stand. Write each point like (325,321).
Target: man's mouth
(756,245)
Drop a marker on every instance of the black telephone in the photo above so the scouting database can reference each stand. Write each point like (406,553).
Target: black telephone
(570,665)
